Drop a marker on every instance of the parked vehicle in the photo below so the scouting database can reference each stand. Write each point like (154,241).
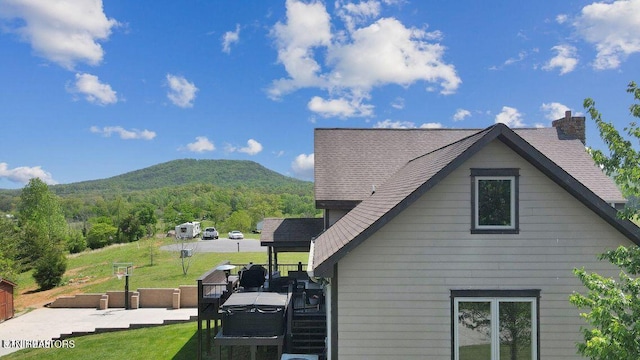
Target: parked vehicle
(188,230)
(210,233)
(235,234)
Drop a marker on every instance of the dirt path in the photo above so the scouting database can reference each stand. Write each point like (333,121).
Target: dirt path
(31,298)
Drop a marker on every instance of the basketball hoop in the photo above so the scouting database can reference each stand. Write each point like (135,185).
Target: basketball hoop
(121,270)
(125,270)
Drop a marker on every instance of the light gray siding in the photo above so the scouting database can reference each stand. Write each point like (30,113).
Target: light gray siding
(394,288)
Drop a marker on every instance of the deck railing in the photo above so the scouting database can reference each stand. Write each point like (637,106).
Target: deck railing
(283,269)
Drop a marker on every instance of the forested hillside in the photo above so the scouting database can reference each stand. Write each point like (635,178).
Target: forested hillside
(179,182)
(39,224)
(232,195)
(223,173)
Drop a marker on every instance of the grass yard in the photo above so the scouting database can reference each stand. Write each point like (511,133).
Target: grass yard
(176,342)
(91,271)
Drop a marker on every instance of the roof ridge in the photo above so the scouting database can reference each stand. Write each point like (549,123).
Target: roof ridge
(372,213)
(487,129)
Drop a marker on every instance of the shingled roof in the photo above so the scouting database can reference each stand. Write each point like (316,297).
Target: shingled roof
(291,234)
(349,163)
(418,175)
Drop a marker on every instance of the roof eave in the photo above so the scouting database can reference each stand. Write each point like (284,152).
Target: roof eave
(529,153)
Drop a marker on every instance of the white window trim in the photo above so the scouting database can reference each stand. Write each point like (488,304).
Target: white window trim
(476,211)
(495,340)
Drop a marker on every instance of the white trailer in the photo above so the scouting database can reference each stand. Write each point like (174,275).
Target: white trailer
(188,230)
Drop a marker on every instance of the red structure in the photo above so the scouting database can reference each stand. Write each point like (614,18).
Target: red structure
(6,299)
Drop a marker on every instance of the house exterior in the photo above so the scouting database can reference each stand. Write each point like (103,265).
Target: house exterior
(436,239)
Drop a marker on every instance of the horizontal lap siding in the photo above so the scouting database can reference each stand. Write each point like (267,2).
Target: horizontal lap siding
(394,289)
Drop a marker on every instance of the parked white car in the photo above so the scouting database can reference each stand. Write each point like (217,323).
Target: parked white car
(210,233)
(235,234)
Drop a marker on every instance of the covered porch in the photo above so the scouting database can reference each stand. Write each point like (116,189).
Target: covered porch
(304,329)
(288,235)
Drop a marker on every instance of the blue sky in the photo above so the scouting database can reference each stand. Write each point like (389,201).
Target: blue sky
(92,89)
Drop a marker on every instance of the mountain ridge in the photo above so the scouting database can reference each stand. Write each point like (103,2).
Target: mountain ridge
(223,173)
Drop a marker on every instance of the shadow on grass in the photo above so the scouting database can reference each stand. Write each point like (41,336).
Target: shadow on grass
(190,351)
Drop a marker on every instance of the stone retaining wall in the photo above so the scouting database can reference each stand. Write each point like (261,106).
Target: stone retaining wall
(185,296)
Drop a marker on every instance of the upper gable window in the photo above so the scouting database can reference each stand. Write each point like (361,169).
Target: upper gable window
(494,198)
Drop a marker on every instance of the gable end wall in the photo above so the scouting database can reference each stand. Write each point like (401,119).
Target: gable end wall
(394,288)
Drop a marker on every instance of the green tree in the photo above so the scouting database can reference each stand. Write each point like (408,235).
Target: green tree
(130,228)
(612,306)
(623,160)
(614,331)
(50,268)
(43,233)
(8,239)
(76,242)
(101,235)
(147,217)
(239,220)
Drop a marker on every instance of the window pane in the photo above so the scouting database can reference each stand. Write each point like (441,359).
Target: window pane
(515,330)
(494,202)
(474,330)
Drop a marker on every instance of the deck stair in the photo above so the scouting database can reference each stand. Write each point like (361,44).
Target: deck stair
(308,332)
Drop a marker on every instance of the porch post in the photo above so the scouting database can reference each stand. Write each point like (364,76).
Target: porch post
(269,251)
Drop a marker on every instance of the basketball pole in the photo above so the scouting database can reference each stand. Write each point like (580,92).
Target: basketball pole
(126,290)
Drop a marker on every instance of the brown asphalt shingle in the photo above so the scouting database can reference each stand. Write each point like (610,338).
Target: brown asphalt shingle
(350,162)
(565,161)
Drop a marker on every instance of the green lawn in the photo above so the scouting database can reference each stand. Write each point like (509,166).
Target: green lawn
(480,352)
(91,271)
(161,342)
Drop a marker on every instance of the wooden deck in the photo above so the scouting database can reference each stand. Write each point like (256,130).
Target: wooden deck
(305,329)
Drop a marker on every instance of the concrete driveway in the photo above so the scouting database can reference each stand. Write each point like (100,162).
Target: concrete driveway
(222,245)
(43,324)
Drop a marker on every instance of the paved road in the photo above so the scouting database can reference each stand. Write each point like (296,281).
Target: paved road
(221,245)
(48,323)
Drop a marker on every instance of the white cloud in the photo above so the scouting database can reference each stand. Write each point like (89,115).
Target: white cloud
(342,108)
(253,147)
(390,124)
(521,56)
(561,18)
(354,14)
(349,65)
(614,29)
(461,114)
(431,126)
(123,133)
(398,103)
(386,52)
(23,174)
(553,110)
(182,93)
(93,90)
(302,166)
(565,59)
(65,32)
(510,117)
(201,144)
(230,37)
(308,26)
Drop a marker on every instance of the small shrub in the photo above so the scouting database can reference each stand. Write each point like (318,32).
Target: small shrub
(101,235)
(76,242)
(50,268)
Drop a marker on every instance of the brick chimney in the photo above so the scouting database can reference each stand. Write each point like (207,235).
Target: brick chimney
(570,127)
